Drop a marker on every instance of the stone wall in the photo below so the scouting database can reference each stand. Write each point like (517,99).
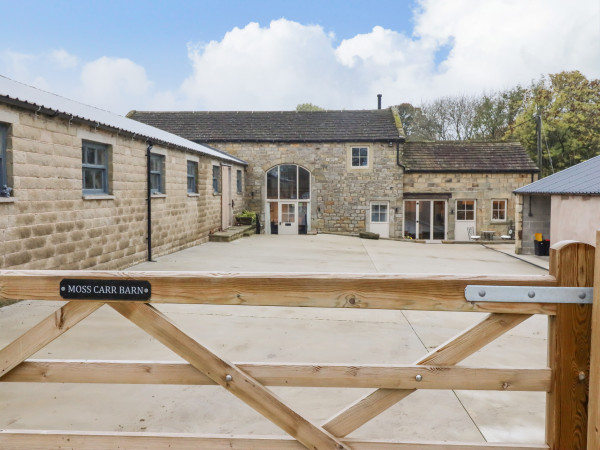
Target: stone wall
(340,194)
(49,224)
(534,212)
(483,187)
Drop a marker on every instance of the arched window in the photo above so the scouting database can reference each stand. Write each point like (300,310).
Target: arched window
(288,182)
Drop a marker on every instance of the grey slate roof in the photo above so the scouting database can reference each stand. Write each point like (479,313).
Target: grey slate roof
(467,157)
(581,179)
(13,92)
(276,126)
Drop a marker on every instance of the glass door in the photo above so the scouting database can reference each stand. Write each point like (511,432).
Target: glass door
(425,219)
(288,223)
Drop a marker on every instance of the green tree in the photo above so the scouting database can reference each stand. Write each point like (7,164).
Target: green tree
(308,107)
(569,105)
(496,113)
(417,127)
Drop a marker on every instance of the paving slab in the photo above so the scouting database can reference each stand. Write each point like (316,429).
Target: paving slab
(271,334)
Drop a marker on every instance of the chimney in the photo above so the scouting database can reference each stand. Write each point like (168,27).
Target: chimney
(378,101)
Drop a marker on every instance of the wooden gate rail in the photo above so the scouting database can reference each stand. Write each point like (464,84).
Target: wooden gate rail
(565,381)
(371,291)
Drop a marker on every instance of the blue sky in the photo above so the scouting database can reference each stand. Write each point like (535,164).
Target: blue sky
(244,55)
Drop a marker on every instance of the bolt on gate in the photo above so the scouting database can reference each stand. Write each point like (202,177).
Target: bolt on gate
(133,295)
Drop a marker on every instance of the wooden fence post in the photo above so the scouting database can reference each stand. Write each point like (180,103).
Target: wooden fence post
(593,432)
(569,345)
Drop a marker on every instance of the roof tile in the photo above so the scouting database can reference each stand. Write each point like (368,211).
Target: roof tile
(275,126)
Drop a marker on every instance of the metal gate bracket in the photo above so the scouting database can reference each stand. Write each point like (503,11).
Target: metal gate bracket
(529,294)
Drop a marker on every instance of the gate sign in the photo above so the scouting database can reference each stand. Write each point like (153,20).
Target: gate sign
(105,289)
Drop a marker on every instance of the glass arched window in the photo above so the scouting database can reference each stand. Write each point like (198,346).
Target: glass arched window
(288,182)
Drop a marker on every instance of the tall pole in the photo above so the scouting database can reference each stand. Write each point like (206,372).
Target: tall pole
(538,131)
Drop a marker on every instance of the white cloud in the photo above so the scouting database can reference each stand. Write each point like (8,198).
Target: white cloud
(266,68)
(494,44)
(63,59)
(498,43)
(115,84)
(16,65)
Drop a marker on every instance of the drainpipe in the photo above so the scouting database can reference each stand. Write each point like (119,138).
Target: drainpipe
(149,200)
(398,156)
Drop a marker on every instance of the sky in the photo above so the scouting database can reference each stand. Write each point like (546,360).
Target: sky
(273,55)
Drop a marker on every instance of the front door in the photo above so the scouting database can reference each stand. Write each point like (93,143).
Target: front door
(465,219)
(380,222)
(288,218)
(425,219)
(226,206)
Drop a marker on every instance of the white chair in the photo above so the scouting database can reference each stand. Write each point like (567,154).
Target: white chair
(472,235)
(507,237)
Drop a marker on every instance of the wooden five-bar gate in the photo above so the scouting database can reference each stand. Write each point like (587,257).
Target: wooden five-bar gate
(571,421)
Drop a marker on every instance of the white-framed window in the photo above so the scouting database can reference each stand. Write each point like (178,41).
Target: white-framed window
(499,210)
(3,164)
(157,173)
(216,179)
(192,177)
(465,210)
(94,168)
(239,181)
(288,182)
(360,157)
(379,212)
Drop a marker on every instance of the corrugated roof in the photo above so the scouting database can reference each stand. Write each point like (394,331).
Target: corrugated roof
(467,156)
(581,179)
(22,93)
(276,126)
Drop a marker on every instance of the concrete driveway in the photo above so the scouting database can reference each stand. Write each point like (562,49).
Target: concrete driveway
(270,334)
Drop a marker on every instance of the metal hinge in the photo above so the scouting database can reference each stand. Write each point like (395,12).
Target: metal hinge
(529,294)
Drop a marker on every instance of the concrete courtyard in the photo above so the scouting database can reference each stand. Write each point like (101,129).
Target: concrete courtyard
(308,335)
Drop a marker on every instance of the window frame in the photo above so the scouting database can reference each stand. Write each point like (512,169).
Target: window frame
(216,179)
(302,191)
(87,167)
(3,163)
(465,210)
(379,213)
(504,202)
(239,181)
(360,158)
(192,178)
(161,174)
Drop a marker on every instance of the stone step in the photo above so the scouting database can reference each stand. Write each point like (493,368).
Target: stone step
(232,233)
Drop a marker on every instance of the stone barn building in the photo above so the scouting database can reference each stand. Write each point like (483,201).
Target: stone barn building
(76,192)
(352,171)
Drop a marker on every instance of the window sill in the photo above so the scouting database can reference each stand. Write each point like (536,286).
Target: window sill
(499,222)
(193,194)
(7,200)
(98,197)
(159,195)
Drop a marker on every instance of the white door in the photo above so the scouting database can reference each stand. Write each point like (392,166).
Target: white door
(288,218)
(380,222)
(465,219)
(226,207)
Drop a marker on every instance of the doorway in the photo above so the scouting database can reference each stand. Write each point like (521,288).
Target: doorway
(288,199)
(226,205)
(380,222)
(466,218)
(425,219)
